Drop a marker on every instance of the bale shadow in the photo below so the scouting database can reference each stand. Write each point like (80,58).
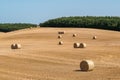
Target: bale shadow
(77,70)
(80,71)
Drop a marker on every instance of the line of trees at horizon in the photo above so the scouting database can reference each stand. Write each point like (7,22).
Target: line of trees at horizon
(98,22)
(7,27)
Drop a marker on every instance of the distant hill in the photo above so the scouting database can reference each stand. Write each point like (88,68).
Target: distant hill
(107,22)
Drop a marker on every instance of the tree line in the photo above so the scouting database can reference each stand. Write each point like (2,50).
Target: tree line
(99,22)
(7,27)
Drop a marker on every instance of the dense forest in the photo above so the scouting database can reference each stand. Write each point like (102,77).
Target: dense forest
(106,22)
(7,27)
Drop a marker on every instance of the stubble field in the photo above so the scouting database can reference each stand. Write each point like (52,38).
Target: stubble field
(41,58)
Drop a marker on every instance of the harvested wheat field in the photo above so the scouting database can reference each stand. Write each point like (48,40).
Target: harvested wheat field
(41,58)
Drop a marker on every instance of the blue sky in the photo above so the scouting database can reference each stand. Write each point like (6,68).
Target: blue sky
(37,11)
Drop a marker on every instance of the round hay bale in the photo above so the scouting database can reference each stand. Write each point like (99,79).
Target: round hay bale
(82,45)
(61,32)
(60,43)
(94,37)
(18,46)
(86,65)
(76,45)
(15,46)
(74,35)
(60,36)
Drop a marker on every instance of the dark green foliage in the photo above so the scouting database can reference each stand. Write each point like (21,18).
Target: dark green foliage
(16,26)
(107,22)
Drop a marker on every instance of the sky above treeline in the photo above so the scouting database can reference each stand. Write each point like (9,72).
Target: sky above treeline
(38,11)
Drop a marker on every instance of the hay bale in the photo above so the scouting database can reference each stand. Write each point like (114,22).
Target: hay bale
(18,46)
(82,45)
(86,65)
(15,46)
(61,32)
(60,36)
(76,45)
(74,35)
(60,43)
(94,37)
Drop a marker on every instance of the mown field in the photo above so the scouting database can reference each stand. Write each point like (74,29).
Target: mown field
(41,58)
